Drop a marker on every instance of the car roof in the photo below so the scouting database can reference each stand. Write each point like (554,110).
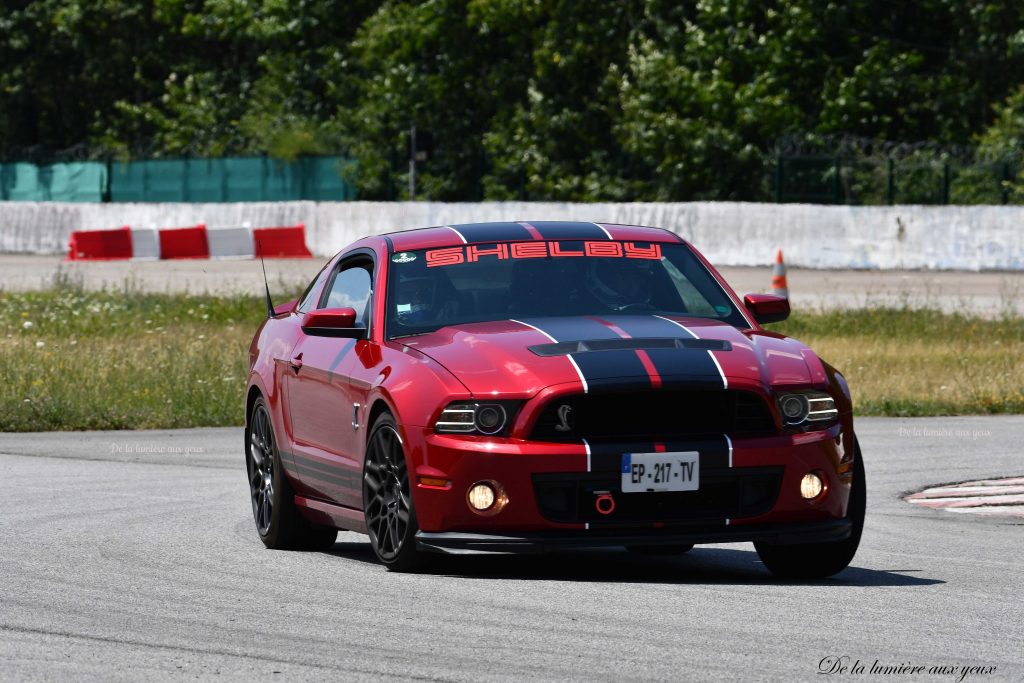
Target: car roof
(518,231)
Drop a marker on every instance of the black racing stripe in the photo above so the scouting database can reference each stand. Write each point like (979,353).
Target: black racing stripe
(310,475)
(325,470)
(565,230)
(619,369)
(571,329)
(622,370)
(607,457)
(670,363)
(714,452)
(476,233)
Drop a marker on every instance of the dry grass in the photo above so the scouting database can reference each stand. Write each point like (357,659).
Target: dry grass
(903,362)
(918,377)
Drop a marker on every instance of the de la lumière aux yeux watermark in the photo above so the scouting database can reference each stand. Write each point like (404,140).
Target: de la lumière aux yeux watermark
(845,665)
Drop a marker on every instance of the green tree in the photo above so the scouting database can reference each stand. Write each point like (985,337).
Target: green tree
(446,66)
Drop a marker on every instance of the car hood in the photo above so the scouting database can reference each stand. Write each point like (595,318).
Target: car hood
(521,357)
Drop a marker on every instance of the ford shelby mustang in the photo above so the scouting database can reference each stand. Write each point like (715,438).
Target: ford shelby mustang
(508,387)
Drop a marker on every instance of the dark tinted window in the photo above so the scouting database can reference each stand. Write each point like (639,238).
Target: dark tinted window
(431,288)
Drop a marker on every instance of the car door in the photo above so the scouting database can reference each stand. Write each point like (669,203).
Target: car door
(319,403)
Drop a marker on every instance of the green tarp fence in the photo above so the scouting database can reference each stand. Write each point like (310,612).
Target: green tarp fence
(233,179)
(72,182)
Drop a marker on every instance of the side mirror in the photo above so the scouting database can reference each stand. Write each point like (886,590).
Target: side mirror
(332,322)
(767,308)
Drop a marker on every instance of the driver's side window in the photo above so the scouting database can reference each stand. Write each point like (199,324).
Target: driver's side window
(351,286)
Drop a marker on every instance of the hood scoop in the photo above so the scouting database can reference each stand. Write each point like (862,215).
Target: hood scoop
(632,344)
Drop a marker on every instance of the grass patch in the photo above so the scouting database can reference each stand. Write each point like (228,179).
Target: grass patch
(903,362)
(71,359)
(85,360)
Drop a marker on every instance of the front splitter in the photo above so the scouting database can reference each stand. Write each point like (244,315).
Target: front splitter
(455,542)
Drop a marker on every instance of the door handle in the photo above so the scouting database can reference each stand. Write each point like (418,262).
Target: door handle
(296,363)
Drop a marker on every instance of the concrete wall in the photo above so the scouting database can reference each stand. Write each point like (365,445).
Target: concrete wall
(729,233)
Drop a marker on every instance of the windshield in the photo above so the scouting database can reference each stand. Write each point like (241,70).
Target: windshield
(432,288)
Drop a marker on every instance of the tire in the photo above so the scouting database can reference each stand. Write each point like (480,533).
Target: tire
(678,549)
(820,560)
(387,499)
(278,522)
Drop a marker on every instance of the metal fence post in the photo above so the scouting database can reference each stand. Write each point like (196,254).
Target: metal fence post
(836,187)
(945,182)
(225,181)
(1005,184)
(263,178)
(186,169)
(890,181)
(778,180)
(105,195)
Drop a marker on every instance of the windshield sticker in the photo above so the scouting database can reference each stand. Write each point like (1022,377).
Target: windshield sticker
(404,257)
(451,256)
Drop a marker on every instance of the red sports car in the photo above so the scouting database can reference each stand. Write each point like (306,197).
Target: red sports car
(508,387)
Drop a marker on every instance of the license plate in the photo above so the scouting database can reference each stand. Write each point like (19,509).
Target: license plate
(643,472)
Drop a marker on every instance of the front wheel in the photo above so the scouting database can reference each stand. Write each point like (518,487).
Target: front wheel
(819,560)
(387,500)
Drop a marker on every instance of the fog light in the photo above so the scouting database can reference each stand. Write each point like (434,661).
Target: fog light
(811,486)
(481,497)
(486,498)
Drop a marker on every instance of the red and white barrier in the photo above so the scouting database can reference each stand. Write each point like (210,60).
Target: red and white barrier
(287,242)
(230,242)
(101,245)
(184,243)
(196,242)
(145,244)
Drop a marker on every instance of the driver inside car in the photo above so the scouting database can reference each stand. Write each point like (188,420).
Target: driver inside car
(421,299)
(621,284)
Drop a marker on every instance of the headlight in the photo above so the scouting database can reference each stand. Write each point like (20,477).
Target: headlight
(804,407)
(475,418)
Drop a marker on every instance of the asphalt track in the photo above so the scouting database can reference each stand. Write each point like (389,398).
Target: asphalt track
(132,555)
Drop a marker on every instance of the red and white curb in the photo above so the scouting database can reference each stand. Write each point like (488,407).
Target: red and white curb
(987,497)
(193,242)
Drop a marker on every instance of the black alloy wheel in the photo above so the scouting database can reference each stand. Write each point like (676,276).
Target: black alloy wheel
(261,469)
(387,501)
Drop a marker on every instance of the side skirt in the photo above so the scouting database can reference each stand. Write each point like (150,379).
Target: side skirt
(329,514)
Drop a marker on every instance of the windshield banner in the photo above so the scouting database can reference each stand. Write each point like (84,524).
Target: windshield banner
(451,256)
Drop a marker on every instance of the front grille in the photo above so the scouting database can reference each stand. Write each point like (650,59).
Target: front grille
(661,415)
(727,493)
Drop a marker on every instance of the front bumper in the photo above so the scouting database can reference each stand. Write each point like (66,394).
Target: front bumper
(551,488)
(454,542)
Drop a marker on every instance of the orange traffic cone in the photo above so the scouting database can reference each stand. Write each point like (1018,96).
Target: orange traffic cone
(779,286)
